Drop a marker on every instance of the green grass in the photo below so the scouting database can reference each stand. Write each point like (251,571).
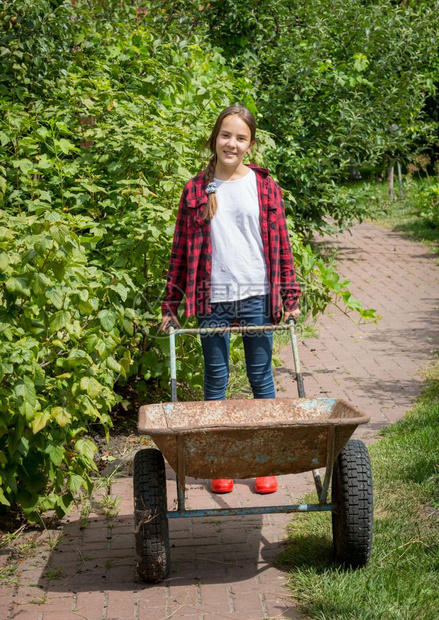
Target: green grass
(402,216)
(401,581)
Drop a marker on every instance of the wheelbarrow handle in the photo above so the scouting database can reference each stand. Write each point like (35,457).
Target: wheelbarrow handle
(205,331)
(299,377)
(236,330)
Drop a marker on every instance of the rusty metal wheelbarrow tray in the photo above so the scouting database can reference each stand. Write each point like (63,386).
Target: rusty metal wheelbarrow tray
(248,438)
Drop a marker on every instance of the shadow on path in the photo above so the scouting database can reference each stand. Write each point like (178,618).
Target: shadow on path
(102,556)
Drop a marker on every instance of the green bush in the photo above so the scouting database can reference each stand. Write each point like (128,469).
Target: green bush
(101,124)
(62,322)
(427,203)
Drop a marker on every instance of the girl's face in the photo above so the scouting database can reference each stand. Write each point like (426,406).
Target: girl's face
(233,141)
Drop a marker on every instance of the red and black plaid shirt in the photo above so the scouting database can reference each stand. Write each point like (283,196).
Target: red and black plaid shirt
(190,265)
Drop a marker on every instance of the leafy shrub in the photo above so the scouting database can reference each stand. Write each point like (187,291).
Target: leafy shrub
(101,123)
(427,203)
(61,326)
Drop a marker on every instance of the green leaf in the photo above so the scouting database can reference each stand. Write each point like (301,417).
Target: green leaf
(59,320)
(59,269)
(4,261)
(107,319)
(91,386)
(6,320)
(27,410)
(121,290)
(128,327)
(23,446)
(78,357)
(18,286)
(360,62)
(59,234)
(64,503)
(56,453)
(25,389)
(101,347)
(93,188)
(45,196)
(86,448)
(6,234)
(44,163)
(6,368)
(113,364)
(4,138)
(3,499)
(65,145)
(25,165)
(61,416)
(75,482)
(43,132)
(40,421)
(85,307)
(55,296)
(40,282)
(125,362)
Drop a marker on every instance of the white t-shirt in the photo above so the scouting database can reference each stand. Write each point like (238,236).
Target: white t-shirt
(238,263)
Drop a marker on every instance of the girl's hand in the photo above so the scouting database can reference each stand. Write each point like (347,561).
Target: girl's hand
(167,321)
(292,313)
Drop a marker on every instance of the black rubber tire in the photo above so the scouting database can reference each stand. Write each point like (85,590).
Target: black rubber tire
(352,518)
(150,516)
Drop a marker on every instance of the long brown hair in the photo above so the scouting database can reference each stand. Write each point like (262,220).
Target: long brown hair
(209,173)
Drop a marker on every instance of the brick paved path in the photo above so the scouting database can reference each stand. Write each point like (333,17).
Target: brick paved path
(224,568)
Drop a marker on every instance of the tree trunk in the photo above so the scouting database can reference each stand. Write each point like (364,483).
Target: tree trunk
(354,173)
(401,191)
(390,172)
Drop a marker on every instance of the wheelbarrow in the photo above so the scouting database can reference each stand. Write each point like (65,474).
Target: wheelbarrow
(246,439)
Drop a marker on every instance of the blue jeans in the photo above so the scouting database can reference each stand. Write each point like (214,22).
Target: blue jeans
(257,347)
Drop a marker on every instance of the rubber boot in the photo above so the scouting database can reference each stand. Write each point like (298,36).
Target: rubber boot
(266,484)
(221,485)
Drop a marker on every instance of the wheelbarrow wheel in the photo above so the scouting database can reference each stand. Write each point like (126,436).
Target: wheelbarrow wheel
(150,518)
(352,519)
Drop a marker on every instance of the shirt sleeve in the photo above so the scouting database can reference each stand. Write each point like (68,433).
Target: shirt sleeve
(177,270)
(290,289)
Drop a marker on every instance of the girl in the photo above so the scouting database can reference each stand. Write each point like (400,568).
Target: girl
(231,257)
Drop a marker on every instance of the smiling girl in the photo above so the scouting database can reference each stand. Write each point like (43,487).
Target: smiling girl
(231,257)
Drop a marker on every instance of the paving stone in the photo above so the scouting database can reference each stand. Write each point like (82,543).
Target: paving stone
(248,601)
(124,609)
(60,615)
(281,609)
(28,612)
(152,613)
(215,594)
